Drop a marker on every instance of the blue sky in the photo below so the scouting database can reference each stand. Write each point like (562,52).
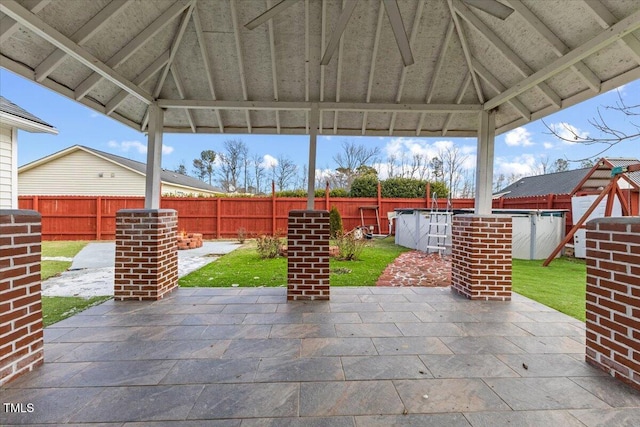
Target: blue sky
(517,152)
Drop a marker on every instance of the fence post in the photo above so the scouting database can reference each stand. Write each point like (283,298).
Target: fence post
(99,218)
(35,204)
(428,195)
(326,197)
(218,214)
(550,198)
(273,207)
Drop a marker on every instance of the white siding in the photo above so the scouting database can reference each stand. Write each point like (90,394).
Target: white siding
(176,191)
(78,173)
(8,196)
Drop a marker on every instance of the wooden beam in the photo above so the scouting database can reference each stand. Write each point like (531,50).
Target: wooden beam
(605,38)
(50,34)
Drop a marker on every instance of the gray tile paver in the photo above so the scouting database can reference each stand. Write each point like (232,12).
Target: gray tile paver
(238,357)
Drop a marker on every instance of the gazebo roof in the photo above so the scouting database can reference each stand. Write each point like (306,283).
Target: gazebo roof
(199,60)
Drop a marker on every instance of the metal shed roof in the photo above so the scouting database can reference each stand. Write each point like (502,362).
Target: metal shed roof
(200,60)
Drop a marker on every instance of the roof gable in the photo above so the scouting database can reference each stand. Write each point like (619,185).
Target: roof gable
(541,185)
(17,116)
(168,177)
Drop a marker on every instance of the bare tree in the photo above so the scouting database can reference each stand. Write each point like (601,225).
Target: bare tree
(560,165)
(231,163)
(606,135)
(257,163)
(542,166)
(352,157)
(284,172)
(498,183)
(452,162)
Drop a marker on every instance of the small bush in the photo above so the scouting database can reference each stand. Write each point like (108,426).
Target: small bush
(268,246)
(242,235)
(335,222)
(349,248)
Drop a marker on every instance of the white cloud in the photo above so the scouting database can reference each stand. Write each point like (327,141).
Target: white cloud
(268,161)
(548,145)
(524,165)
(567,132)
(518,137)
(141,148)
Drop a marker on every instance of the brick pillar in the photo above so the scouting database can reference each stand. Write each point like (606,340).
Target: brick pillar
(308,255)
(21,340)
(481,257)
(613,297)
(146,254)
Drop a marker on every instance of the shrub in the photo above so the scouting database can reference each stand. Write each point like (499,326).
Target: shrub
(335,222)
(365,186)
(349,248)
(268,246)
(403,188)
(440,188)
(242,235)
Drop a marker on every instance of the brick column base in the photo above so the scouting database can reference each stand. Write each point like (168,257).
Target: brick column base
(21,339)
(146,254)
(613,297)
(308,255)
(481,257)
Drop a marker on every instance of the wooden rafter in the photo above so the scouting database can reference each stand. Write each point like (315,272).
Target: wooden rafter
(403,74)
(82,36)
(133,46)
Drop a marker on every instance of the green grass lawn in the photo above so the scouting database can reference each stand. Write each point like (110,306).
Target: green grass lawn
(67,249)
(243,267)
(561,285)
(55,309)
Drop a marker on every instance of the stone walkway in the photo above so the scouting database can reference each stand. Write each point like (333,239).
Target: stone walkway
(370,357)
(416,268)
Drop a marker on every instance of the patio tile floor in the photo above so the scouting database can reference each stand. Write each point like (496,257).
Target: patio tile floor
(243,357)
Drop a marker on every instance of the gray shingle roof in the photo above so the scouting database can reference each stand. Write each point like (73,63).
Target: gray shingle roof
(540,185)
(9,107)
(166,175)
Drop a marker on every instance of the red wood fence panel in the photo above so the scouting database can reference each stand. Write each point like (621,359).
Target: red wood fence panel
(93,217)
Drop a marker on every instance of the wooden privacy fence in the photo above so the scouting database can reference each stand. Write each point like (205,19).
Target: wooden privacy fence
(94,217)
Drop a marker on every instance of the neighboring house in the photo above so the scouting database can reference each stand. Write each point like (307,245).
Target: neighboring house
(12,118)
(84,171)
(580,182)
(541,185)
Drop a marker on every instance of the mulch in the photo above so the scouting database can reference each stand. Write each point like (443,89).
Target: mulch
(417,268)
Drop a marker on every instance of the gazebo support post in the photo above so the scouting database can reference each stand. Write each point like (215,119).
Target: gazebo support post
(21,335)
(146,266)
(308,237)
(481,243)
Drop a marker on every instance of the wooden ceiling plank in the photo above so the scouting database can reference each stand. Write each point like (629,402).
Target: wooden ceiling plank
(82,36)
(241,70)
(51,35)
(606,19)
(436,71)
(403,76)
(9,26)
(559,47)
(605,38)
(465,50)
(463,11)
(343,20)
(134,45)
(207,63)
(183,95)
(372,67)
(142,78)
(269,14)
(496,85)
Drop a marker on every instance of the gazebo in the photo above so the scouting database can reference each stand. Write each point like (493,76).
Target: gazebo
(420,68)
